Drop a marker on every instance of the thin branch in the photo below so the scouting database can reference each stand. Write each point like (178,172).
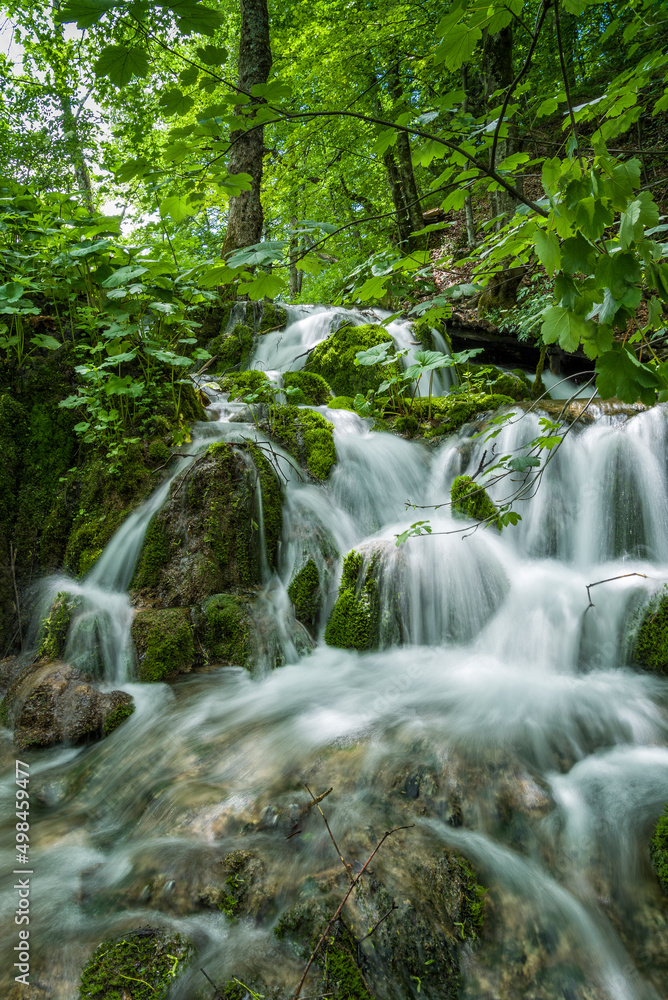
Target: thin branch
(511,89)
(622,576)
(316,802)
(566,83)
(343,902)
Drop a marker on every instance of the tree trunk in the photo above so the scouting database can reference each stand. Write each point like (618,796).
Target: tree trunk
(497,70)
(245,216)
(76,152)
(404,161)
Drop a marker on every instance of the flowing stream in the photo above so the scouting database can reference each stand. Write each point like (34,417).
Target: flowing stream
(495,686)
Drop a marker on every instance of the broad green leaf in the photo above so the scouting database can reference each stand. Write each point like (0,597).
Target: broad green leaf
(212,55)
(457,46)
(385,139)
(547,249)
(373,288)
(620,374)
(188,76)
(563,327)
(258,253)
(267,284)
(121,64)
(523,462)
(547,107)
(133,168)
(272,92)
(11,292)
(374,355)
(174,102)
(177,207)
(576,255)
(84,12)
(43,340)
(123,275)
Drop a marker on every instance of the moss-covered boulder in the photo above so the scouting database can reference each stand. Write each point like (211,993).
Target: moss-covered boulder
(232,349)
(206,538)
(313,390)
(449,413)
(305,592)
(51,703)
(227,633)
(354,621)
(242,890)
(491,380)
(56,625)
(164,641)
(334,360)
(341,403)
(141,964)
(651,645)
(307,436)
(240,384)
(659,850)
(469,499)
(272,317)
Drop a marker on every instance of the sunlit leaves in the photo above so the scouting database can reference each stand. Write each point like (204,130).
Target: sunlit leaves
(174,102)
(564,327)
(85,12)
(121,64)
(620,374)
(265,284)
(547,250)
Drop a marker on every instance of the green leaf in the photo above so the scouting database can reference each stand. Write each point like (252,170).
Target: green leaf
(43,340)
(268,284)
(84,12)
(174,102)
(177,208)
(11,292)
(212,55)
(522,463)
(562,326)
(576,255)
(547,107)
(457,46)
(620,374)
(258,253)
(123,275)
(374,355)
(547,249)
(121,64)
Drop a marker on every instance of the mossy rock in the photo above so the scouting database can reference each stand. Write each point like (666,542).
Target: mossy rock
(158,452)
(470,499)
(154,555)
(313,388)
(354,622)
(273,317)
(449,413)
(139,965)
(651,645)
(492,380)
(240,384)
(658,849)
(233,349)
(228,629)
(305,592)
(407,425)
(341,403)
(307,436)
(334,360)
(164,642)
(55,627)
(52,703)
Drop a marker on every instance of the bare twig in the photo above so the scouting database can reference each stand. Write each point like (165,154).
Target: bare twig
(219,993)
(566,83)
(622,576)
(344,901)
(316,802)
(375,927)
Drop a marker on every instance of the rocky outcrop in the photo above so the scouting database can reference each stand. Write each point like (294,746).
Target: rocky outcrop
(50,703)
(148,956)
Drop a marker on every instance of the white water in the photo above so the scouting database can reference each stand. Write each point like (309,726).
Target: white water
(492,671)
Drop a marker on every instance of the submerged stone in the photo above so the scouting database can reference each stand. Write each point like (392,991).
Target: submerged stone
(658,849)
(142,963)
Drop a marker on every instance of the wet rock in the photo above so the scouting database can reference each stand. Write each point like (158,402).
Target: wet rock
(164,643)
(354,622)
(149,956)
(51,703)
(651,641)
(334,360)
(659,850)
(307,436)
(305,592)
(55,627)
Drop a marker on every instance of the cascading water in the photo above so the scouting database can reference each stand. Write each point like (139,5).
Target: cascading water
(498,715)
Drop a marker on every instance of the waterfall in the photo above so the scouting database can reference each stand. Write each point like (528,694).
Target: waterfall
(497,711)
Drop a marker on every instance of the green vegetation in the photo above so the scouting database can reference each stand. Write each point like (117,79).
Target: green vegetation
(659,850)
(155,554)
(164,643)
(140,965)
(334,360)
(470,499)
(306,594)
(313,390)
(227,633)
(56,625)
(651,647)
(355,618)
(239,384)
(117,715)
(232,350)
(307,436)
(274,317)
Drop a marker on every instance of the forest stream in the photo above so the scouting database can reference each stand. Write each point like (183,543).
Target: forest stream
(500,719)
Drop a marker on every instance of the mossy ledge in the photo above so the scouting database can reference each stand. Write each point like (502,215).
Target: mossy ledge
(354,622)
(469,499)
(164,643)
(227,632)
(658,850)
(651,645)
(334,360)
(140,965)
(306,595)
(55,627)
(307,436)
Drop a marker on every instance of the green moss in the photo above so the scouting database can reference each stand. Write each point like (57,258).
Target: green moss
(307,436)
(227,632)
(240,384)
(406,425)
(313,388)
(155,554)
(471,500)
(343,974)
(449,413)
(117,716)
(158,452)
(141,965)
(334,360)
(341,403)
(273,317)
(233,349)
(651,648)
(658,849)
(305,594)
(354,622)
(12,432)
(423,332)
(53,636)
(164,643)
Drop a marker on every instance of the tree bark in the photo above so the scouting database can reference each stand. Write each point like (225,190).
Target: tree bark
(404,159)
(497,70)
(245,216)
